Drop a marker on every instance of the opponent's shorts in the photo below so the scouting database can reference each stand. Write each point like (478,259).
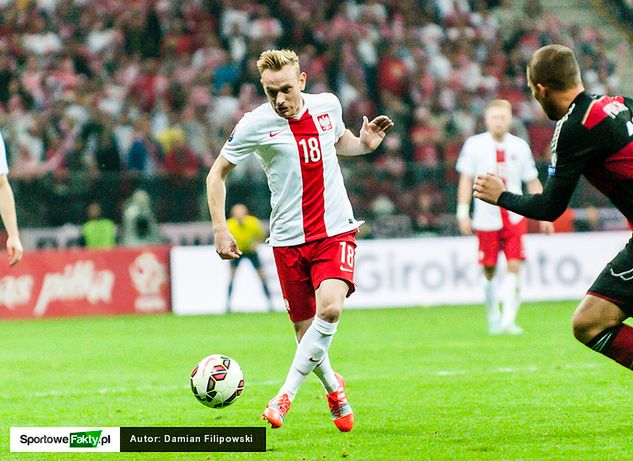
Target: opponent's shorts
(252,257)
(509,239)
(302,268)
(615,282)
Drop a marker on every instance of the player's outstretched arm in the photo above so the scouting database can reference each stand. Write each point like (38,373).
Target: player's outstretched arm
(464,195)
(225,244)
(7,212)
(371,135)
(535,187)
(547,206)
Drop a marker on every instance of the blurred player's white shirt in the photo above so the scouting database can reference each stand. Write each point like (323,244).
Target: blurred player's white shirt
(308,197)
(4,166)
(479,156)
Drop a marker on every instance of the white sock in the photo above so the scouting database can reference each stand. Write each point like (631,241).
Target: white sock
(510,299)
(311,350)
(491,301)
(326,374)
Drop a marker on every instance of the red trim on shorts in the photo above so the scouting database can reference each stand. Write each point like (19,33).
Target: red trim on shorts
(606,298)
(313,197)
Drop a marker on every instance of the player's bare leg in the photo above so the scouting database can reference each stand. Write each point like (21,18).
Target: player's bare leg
(262,278)
(491,300)
(597,323)
(230,288)
(511,300)
(312,350)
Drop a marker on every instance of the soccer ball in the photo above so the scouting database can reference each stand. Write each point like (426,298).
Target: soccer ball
(217,381)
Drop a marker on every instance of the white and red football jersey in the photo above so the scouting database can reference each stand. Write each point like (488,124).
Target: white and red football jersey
(4,167)
(511,159)
(308,197)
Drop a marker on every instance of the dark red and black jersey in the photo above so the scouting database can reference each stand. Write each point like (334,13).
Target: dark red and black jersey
(594,139)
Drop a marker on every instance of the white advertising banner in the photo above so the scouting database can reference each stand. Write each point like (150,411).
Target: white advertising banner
(407,272)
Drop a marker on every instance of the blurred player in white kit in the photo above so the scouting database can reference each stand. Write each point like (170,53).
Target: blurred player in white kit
(296,136)
(497,229)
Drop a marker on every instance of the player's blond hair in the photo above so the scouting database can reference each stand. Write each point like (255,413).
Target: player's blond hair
(501,103)
(276,59)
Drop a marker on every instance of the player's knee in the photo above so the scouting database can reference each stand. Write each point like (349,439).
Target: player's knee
(580,328)
(585,328)
(514,265)
(330,311)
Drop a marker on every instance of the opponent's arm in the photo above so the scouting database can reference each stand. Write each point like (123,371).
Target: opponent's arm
(464,196)
(225,244)
(371,135)
(7,212)
(535,187)
(546,206)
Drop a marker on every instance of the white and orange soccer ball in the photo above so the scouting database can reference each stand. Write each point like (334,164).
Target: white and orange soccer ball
(217,381)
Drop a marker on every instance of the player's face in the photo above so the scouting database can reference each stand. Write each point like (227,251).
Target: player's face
(498,120)
(283,88)
(239,212)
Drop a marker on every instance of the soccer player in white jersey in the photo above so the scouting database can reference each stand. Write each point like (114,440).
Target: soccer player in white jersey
(510,157)
(296,137)
(7,210)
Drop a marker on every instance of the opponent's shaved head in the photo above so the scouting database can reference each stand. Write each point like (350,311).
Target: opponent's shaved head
(555,67)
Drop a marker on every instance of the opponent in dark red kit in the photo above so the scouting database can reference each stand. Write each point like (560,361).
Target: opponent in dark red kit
(594,138)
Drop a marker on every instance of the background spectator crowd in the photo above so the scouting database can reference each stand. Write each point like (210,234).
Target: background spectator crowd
(99,98)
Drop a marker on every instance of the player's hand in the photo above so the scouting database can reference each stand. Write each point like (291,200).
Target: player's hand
(15,250)
(546,227)
(488,187)
(465,226)
(226,246)
(372,133)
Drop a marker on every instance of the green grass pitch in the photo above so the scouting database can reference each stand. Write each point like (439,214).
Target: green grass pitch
(424,383)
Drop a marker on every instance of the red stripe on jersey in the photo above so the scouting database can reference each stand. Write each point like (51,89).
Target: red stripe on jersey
(311,160)
(501,171)
(596,111)
(620,164)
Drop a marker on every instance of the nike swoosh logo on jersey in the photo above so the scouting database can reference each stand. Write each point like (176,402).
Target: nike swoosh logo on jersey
(626,275)
(272,135)
(345,269)
(311,359)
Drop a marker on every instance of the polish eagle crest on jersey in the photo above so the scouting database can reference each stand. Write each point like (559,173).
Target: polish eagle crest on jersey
(324,122)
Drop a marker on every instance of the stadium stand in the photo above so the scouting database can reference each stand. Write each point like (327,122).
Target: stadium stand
(98,98)
(626,9)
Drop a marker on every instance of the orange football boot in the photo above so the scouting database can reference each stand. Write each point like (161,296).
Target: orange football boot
(276,410)
(341,410)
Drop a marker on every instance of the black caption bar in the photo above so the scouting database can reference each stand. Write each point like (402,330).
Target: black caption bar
(183,439)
